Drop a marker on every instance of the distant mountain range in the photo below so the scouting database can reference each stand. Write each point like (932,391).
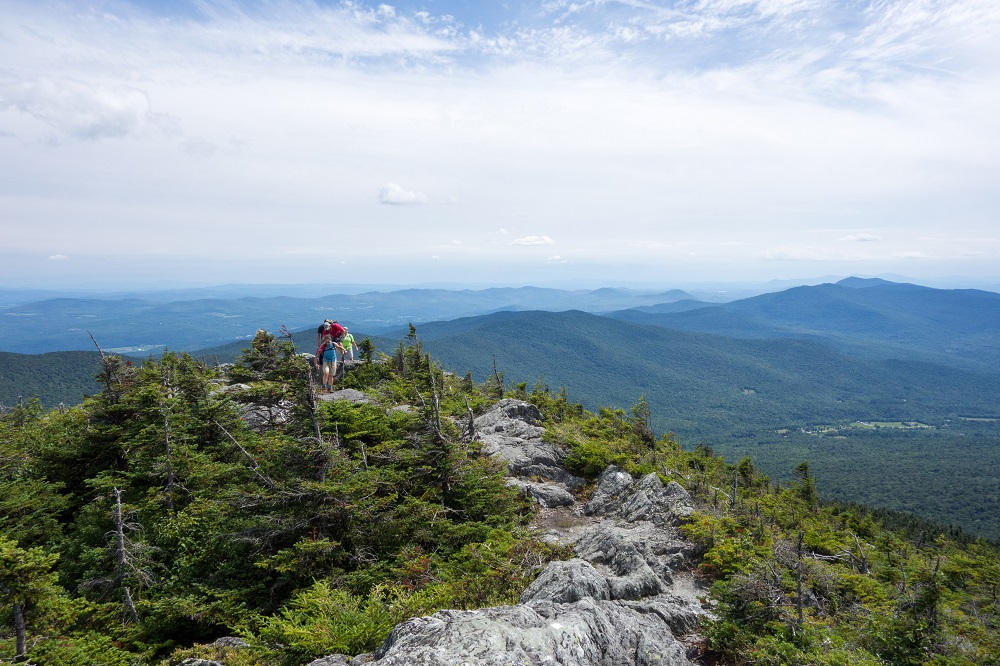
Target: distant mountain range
(869,318)
(140,325)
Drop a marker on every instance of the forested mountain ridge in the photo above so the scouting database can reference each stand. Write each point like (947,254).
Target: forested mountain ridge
(54,378)
(870,318)
(700,378)
(153,519)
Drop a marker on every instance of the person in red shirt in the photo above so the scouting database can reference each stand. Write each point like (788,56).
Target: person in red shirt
(329,327)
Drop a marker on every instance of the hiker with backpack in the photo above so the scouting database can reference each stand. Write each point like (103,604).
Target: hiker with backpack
(332,328)
(326,358)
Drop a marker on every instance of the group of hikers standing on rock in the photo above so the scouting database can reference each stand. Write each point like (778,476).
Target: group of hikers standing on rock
(334,346)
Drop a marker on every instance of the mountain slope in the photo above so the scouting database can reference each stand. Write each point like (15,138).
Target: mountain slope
(56,377)
(701,382)
(871,318)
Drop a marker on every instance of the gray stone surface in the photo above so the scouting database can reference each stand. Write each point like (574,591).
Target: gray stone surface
(565,582)
(548,495)
(349,394)
(619,495)
(333,660)
(585,633)
(263,418)
(512,432)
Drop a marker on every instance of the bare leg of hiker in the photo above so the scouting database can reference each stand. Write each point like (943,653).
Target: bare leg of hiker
(329,369)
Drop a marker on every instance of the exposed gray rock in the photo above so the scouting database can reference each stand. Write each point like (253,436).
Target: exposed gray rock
(230,388)
(546,494)
(192,661)
(680,616)
(512,432)
(619,495)
(557,474)
(230,642)
(635,570)
(333,660)
(507,411)
(564,582)
(348,394)
(584,633)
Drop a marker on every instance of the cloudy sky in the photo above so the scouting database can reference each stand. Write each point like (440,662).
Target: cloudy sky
(518,142)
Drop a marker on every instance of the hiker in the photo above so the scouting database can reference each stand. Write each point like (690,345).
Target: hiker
(331,328)
(326,358)
(349,345)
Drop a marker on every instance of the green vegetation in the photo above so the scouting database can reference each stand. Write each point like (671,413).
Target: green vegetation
(152,515)
(799,582)
(151,519)
(743,397)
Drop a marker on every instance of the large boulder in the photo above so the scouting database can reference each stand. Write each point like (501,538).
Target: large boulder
(512,432)
(638,559)
(332,660)
(348,395)
(619,495)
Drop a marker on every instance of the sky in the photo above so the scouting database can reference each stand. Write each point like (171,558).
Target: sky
(545,142)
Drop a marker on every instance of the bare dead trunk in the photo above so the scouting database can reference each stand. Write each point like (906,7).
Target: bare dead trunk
(21,641)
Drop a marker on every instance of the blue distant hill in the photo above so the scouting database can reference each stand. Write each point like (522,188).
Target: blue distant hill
(871,318)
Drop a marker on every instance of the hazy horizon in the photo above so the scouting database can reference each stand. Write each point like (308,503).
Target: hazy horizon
(737,289)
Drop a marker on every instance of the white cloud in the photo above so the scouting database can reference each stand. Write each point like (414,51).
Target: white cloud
(861,238)
(58,257)
(79,109)
(395,195)
(533,240)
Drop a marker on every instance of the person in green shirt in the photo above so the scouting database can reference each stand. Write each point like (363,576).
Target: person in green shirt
(349,345)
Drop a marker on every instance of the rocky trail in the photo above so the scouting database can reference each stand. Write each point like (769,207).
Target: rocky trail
(626,598)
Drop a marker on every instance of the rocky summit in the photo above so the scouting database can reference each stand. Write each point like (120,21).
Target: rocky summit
(627,597)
